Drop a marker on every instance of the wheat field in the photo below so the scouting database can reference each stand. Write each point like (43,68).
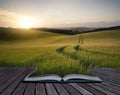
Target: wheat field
(61,54)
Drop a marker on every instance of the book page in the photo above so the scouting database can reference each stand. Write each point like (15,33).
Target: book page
(81,77)
(49,77)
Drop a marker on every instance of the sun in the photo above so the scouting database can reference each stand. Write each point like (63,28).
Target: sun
(26,22)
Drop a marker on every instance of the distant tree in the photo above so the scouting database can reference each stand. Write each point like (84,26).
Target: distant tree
(80,39)
(79,43)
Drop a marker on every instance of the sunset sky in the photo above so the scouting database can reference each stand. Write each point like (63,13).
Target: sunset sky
(59,13)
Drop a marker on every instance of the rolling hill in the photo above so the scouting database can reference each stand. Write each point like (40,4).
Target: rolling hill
(56,53)
(76,30)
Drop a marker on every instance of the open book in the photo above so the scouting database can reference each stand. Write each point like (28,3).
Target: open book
(67,78)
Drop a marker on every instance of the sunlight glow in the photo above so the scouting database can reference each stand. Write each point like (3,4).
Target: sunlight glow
(26,22)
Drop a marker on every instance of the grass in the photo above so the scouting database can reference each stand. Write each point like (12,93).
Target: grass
(56,53)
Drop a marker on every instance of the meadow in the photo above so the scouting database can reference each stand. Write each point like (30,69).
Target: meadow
(61,54)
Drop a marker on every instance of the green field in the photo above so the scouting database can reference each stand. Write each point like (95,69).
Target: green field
(56,53)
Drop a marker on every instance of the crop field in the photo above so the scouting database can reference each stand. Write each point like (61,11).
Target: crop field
(61,54)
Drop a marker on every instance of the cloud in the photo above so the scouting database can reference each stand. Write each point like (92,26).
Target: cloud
(8,18)
(11,19)
(6,13)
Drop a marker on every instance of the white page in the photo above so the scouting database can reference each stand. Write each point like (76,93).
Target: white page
(80,76)
(43,78)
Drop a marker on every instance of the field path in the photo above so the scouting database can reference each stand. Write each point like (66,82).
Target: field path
(82,60)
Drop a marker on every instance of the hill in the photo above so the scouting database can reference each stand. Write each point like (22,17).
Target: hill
(56,53)
(76,30)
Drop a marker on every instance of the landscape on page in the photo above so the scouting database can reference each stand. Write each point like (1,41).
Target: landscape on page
(60,37)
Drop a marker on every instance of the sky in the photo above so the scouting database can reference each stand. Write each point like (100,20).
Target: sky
(60,13)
